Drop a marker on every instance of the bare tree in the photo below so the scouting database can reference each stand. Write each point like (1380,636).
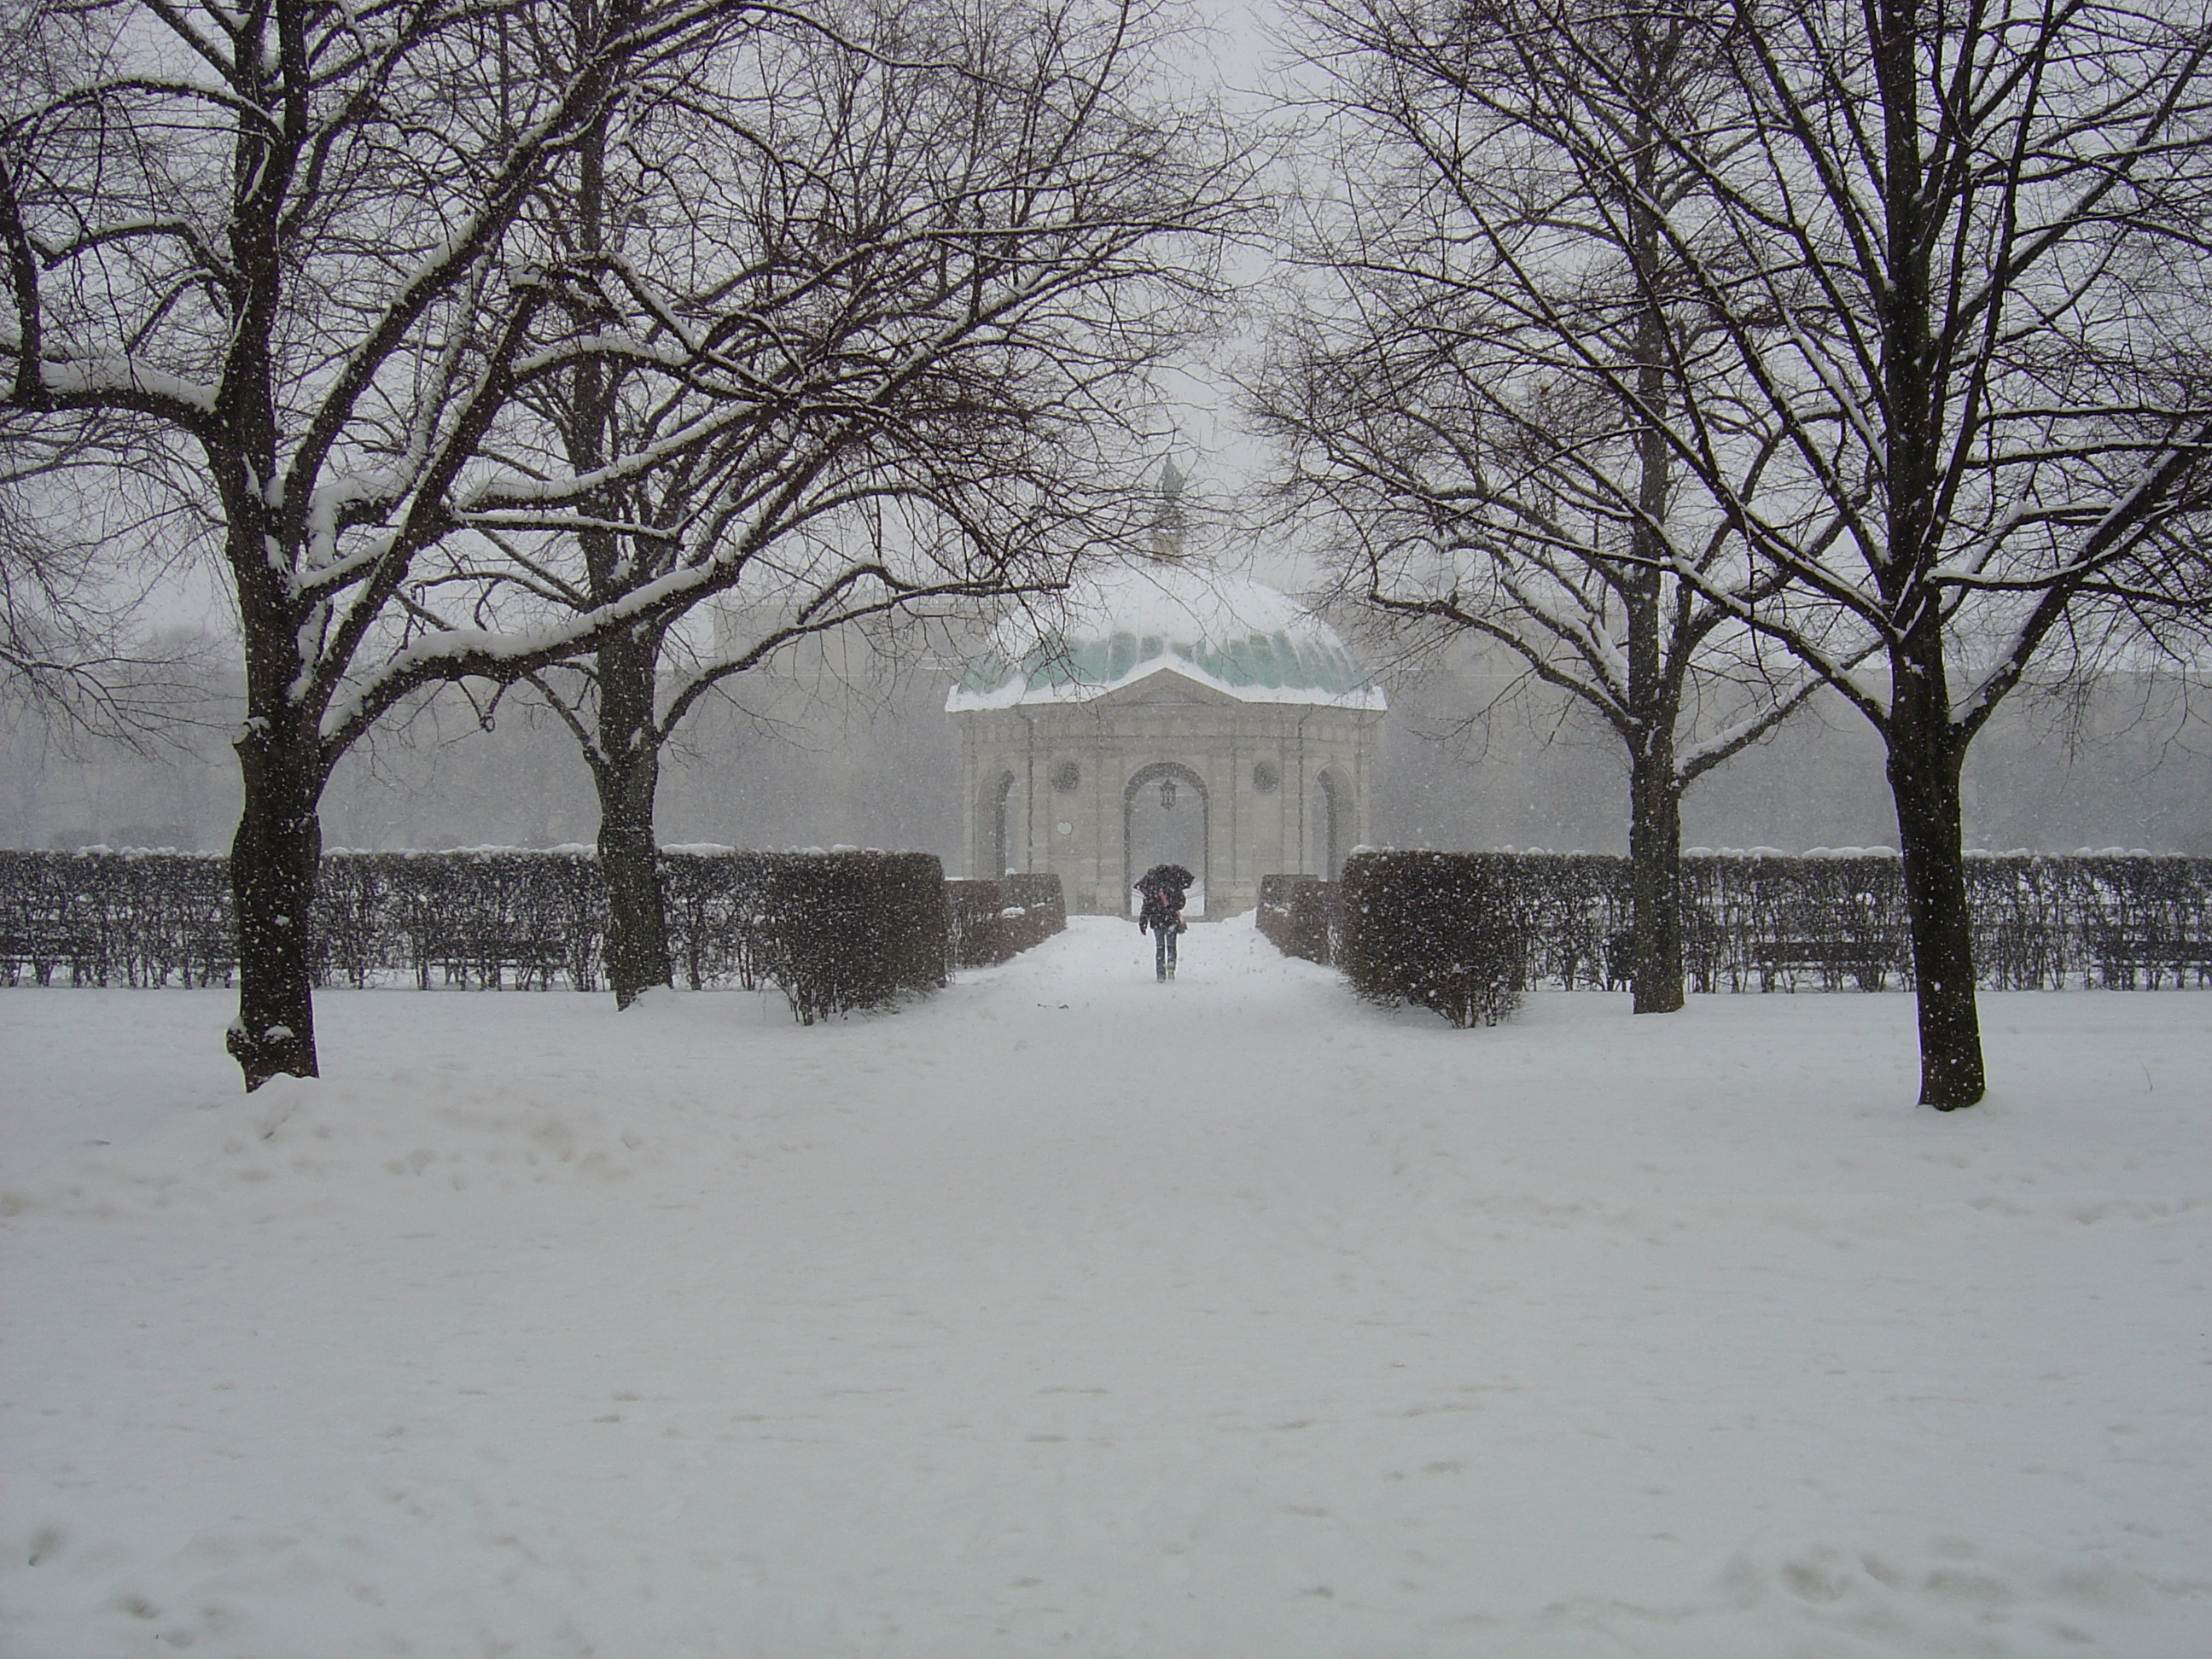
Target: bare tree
(952,241)
(283,232)
(306,237)
(1493,335)
(1948,389)
(1955,257)
(278,232)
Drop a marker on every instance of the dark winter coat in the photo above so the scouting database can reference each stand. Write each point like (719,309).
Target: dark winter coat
(1162,907)
(1163,886)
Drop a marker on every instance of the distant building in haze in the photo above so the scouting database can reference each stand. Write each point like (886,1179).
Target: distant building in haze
(1162,711)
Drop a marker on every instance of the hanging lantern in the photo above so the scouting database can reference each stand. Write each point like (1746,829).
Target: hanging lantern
(1167,794)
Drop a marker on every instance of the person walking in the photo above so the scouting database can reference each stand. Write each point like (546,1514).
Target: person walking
(1162,888)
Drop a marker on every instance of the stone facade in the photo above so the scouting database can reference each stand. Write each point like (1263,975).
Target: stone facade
(1074,787)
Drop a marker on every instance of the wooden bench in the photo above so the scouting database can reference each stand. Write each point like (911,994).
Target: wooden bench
(488,953)
(40,947)
(2122,955)
(1834,960)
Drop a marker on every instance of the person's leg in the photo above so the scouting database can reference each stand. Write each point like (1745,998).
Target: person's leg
(1169,934)
(1161,936)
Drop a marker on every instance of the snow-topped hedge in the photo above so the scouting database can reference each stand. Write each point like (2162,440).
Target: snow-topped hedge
(992,921)
(1294,911)
(1834,918)
(1444,931)
(841,931)
(832,930)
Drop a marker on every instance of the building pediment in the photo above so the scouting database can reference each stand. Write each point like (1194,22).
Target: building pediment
(1164,685)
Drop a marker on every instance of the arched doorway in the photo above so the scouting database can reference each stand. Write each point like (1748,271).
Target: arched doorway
(1165,821)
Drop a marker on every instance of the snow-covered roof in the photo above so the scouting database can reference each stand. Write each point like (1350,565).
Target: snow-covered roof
(1125,624)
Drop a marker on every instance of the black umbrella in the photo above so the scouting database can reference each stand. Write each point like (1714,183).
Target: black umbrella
(1164,875)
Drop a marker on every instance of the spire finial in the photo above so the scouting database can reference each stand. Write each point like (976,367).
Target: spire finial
(1167,517)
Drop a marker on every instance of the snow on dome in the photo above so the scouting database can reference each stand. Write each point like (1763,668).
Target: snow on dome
(1123,624)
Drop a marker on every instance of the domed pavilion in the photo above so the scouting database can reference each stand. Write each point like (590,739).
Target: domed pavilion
(1167,713)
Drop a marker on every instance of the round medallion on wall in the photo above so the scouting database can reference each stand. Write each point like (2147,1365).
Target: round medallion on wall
(1066,777)
(1265,776)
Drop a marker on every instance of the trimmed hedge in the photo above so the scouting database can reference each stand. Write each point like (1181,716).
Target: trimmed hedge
(976,936)
(833,931)
(493,917)
(474,918)
(138,918)
(992,921)
(1837,921)
(1043,908)
(1298,912)
(1442,931)
(841,931)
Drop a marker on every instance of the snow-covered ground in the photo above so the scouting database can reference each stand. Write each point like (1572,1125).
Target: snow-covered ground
(1068,1313)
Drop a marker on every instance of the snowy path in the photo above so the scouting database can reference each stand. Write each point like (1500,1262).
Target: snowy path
(1070,1313)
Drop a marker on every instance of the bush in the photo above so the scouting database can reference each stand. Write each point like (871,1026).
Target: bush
(848,931)
(1043,907)
(993,920)
(1297,913)
(1762,920)
(976,929)
(141,918)
(1442,931)
(712,900)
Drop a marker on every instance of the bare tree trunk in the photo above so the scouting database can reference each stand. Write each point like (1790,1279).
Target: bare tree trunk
(627,772)
(1655,793)
(275,856)
(274,864)
(1924,778)
(626,758)
(1655,862)
(637,921)
(1924,752)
